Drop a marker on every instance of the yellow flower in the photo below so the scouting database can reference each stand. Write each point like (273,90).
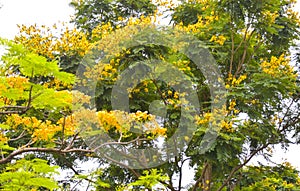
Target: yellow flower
(3,139)
(220,39)
(279,67)
(232,104)
(176,95)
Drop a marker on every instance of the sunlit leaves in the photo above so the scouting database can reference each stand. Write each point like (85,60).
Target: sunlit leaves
(150,179)
(250,42)
(281,177)
(28,175)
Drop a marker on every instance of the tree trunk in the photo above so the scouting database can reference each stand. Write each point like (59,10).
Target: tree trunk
(206,181)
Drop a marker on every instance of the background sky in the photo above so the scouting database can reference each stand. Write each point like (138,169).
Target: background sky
(28,12)
(48,12)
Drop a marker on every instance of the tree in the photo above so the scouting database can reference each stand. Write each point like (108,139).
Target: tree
(250,42)
(90,14)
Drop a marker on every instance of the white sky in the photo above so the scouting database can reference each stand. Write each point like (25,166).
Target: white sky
(28,12)
(49,12)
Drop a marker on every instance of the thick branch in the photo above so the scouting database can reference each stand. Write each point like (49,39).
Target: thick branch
(34,149)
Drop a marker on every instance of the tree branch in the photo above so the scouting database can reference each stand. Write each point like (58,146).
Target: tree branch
(35,149)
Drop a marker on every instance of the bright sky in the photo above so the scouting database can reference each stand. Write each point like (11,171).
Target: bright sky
(48,12)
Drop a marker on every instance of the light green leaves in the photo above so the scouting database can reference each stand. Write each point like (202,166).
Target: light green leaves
(30,64)
(28,175)
(150,178)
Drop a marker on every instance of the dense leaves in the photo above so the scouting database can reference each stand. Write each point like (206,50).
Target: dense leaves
(48,119)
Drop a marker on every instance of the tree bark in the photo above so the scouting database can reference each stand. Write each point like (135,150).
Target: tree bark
(206,181)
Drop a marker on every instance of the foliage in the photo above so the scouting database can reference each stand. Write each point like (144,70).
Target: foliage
(90,14)
(44,114)
(281,177)
(28,175)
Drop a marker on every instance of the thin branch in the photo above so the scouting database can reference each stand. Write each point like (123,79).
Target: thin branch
(121,143)
(23,134)
(121,164)
(72,141)
(13,107)
(11,112)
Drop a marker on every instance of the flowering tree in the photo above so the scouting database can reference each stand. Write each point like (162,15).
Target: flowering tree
(48,113)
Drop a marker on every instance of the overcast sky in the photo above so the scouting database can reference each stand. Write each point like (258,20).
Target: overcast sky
(28,12)
(48,12)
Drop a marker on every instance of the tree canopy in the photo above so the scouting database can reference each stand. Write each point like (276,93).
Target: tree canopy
(214,89)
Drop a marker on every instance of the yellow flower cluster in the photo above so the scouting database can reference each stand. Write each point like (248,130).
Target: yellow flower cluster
(3,100)
(93,73)
(270,17)
(176,102)
(68,125)
(122,122)
(102,30)
(220,39)
(14,120)
(199,1)
(110,120)
(232,105)
(172,98)
(231,108)
(183,65)
(157,130)
(278,67)
(288,185)
(145,85)
(142,116)
(255,101)
(64,97)
(204,120)
(44,130)
(57,84)
(73,42)
(226,125)
(42,41)
(233,81)
(103,71)
(3,139)
(142,20)
(169,4)
(40,130)
(81,120)
(294,15)
(221,118)
(110,44)
(108,72)
(203,24)
(17,82)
